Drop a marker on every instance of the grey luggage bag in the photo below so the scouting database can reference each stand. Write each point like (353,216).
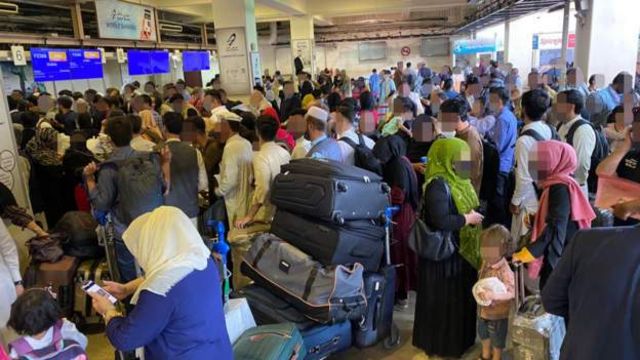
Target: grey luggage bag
(328,294)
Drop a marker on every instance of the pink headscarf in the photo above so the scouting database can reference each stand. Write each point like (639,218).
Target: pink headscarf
(282,135)
(557,161)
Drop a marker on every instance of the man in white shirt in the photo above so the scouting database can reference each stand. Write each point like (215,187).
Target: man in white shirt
(212,103)
(535,104)
(569,106)
(266,165)
(297,125)
(234,185)
(345,116)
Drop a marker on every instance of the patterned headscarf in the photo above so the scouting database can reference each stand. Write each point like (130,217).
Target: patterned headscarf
(43,147)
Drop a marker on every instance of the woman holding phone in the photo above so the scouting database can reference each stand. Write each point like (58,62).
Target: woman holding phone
(178,312)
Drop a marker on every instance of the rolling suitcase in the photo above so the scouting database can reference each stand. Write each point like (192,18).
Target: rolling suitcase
(359,241)
(330,191)
(536,334)
(270,342)
(96,270)
(59,276)
(324,294)
(320,340)
(380,289)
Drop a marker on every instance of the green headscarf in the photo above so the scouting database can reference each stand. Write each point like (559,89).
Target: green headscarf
(442,155)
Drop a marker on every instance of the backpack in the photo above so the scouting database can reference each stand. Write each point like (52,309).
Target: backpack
(139,185)
(60,349)
(600,151)
(364,156)
(79,227)
(534,134)
(490,168)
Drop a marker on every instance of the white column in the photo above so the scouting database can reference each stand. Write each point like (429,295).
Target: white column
(565,42)
(507,42)
(237,42)
(302,43)
(607,37)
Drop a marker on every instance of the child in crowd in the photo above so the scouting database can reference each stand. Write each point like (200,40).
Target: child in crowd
(494,291)
(44,335)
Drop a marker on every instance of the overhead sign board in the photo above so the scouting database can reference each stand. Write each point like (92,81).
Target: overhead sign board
(535,43)
(66,64)
(552,41)
(474,46)
(123,20)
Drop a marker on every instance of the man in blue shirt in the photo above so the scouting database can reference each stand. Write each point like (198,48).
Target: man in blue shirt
(504,134)
(322,146)
(448,89)
(374,84)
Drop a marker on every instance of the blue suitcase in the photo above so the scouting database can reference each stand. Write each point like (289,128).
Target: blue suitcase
(321,341)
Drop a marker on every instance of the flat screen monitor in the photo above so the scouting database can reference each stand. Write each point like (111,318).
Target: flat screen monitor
(146,62)
(195,60)
(85,63)
(160,62)
(50,64)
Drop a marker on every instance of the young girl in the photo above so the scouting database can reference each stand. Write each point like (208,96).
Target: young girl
(36,317)
(493,306)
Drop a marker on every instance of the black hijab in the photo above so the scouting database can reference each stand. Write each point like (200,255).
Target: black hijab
(397,170)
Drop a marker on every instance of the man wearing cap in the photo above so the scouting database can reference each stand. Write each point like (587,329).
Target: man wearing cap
(236,175)
(322,146)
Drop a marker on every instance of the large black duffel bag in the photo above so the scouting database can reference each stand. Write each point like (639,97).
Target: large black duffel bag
(356,241)
(79,227)
(324,294)
(329,190)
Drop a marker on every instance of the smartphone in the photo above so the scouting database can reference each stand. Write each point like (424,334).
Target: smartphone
(91,287)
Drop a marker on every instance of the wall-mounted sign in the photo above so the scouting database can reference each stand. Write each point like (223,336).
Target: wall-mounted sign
(123,20)
(120,56)
(535,43)
(18,55)
(235,73)
(302,48)
(474,46)
(552,41)
(103,55)
(231,42)
(405,51)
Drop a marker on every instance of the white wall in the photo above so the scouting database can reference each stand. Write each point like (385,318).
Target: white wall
(344,55)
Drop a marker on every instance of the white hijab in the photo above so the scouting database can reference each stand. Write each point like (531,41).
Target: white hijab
(168,248)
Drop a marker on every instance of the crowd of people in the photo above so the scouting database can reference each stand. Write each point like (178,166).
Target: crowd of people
(463,157)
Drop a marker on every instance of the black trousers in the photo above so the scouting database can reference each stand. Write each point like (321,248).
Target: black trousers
(498,207)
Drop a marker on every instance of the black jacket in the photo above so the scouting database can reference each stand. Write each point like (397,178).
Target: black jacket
(596,287)
(288,105)
(439,210)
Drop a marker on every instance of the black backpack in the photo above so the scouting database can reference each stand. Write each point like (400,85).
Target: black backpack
(364,157)
(534,134)
(600,151)
(490,168)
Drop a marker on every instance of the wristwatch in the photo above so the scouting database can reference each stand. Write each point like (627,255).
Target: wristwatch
(19,282)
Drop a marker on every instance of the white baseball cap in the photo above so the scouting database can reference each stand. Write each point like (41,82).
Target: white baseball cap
(317,113)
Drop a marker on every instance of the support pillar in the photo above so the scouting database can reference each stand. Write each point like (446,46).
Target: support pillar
(565,43)
(303,43)
(607,37)
(507,42)
(237,43)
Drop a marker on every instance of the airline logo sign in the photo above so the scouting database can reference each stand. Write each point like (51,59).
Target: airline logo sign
(553,41)
(474,46)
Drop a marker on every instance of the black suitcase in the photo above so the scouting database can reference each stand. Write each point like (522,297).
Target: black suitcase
(378,324)
(356,241)
(330,191)
(320,340)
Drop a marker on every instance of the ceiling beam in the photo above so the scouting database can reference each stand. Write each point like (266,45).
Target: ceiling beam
(322,21)
(290,7)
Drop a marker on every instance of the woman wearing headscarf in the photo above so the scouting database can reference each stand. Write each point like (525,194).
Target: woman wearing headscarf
(48,173)
(178,312)
(563,208)
(399,174)
(445,317)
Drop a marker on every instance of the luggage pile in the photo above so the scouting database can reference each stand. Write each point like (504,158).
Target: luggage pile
(64,260)
(320,268)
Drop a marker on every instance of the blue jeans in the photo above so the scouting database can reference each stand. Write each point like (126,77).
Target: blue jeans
(126,262)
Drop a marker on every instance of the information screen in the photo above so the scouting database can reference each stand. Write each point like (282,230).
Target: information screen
(50,64)
(195,60)
(66,64)
(85,63)
(144,62)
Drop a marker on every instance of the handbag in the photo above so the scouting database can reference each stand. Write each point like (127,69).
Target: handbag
(46,248)
(429,243)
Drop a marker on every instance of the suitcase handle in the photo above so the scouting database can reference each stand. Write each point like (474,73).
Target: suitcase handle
(519,285)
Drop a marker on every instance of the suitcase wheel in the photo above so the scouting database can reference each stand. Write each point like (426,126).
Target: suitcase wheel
(394,338)
(386,189)
(342,187)
(338,219)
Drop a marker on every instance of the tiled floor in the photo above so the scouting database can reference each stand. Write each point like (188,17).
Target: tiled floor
(99,348)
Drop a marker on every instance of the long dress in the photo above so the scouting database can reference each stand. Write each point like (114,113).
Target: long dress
(9,273)
(445,316)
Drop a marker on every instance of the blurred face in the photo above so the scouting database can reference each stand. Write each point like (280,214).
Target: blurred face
(288,90)
(462,164)
(538,168)
(82,107)
(169,92)
(490,254)
(89,97)
(16,95)
(296,125)
(180,88)
(342,123)
(149,88)
(102,106)
(177,106)
(188,133)
(495,103)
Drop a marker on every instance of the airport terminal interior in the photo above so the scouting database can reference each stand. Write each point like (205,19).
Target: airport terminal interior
(319,179)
